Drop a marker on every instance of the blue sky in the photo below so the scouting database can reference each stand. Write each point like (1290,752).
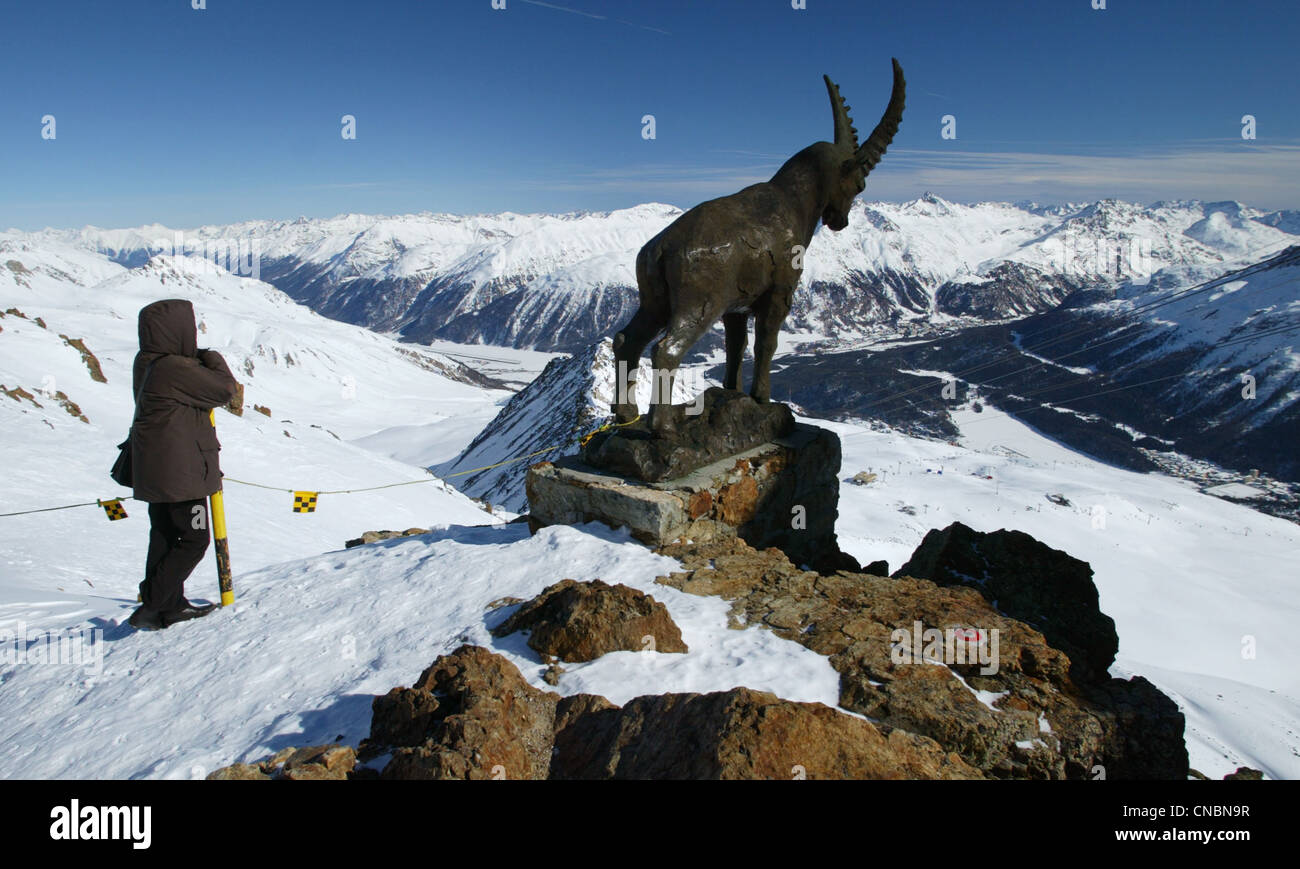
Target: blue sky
(168,114)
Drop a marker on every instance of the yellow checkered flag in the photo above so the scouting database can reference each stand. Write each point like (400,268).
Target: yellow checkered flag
(113,509)
(304,502)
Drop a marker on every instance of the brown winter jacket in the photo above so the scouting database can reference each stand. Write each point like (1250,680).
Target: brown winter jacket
(173,444)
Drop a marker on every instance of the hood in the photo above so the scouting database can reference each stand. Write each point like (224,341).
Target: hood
(168,327)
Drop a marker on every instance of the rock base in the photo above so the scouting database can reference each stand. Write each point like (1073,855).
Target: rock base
(783,493)
(724,422)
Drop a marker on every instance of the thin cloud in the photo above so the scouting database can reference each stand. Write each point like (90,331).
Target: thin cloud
(573,11)
(1265,176)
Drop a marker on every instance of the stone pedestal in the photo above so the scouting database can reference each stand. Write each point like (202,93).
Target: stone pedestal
(783,493)
(723,423)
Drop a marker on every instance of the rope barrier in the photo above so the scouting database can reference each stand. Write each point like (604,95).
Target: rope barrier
(582,440)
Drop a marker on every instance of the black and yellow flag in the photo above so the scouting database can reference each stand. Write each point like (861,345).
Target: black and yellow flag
(113,509)
(304,502)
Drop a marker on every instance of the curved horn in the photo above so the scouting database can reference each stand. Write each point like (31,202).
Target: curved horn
(845,136)
(874,148)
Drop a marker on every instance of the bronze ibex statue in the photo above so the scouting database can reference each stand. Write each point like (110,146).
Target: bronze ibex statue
(742,254)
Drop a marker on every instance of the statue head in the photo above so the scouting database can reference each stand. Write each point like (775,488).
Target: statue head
(853,162)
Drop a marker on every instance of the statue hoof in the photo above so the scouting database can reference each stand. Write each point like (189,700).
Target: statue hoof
(624,413)
(661,422)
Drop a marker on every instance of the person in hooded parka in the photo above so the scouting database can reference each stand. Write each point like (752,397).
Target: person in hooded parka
(174,452)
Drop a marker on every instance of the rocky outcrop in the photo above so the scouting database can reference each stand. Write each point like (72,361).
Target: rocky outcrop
(1030,581)
(316,763)
(376,536)
(92,363)
(580,621)
(943,663)
(741,734)
(472,715)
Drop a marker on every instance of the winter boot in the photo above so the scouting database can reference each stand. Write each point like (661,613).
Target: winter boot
(186,612)
(145,619)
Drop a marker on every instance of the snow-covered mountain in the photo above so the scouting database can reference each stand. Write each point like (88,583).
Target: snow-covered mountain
(1141,375)
(561,282)
(545,420)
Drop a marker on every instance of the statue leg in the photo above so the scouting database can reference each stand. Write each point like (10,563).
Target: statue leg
(769,314)
(667,357)
(629,344)
(737,326)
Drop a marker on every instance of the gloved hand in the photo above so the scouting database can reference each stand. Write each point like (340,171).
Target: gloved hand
(211,359)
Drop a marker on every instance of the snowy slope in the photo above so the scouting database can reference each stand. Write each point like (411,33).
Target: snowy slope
(299,658)
(325,383)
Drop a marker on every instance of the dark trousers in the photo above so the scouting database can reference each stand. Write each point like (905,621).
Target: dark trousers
(178,538)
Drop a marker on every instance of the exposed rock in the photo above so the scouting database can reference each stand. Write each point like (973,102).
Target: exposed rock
(471,715)
(1030,581)
(239,772)
(70,406)
(19,394)
(20,273)
(783,493)
(330,762)
(580,621)
(92,364)
(727,422)
(265,411)
(741,734)
(1003,698)
(877,568)
(376,536)
(319,763)
(1245,773)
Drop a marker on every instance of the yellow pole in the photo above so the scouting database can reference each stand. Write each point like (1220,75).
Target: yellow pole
(217,510)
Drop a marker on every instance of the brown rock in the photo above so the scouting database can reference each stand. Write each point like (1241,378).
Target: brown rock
(741,734)
(1244,773)
(488,723)
(471,715)
(580,621)
(1031,581)
(238,772)
(376,536)
(1043,724)
(92,364)
(738,502)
